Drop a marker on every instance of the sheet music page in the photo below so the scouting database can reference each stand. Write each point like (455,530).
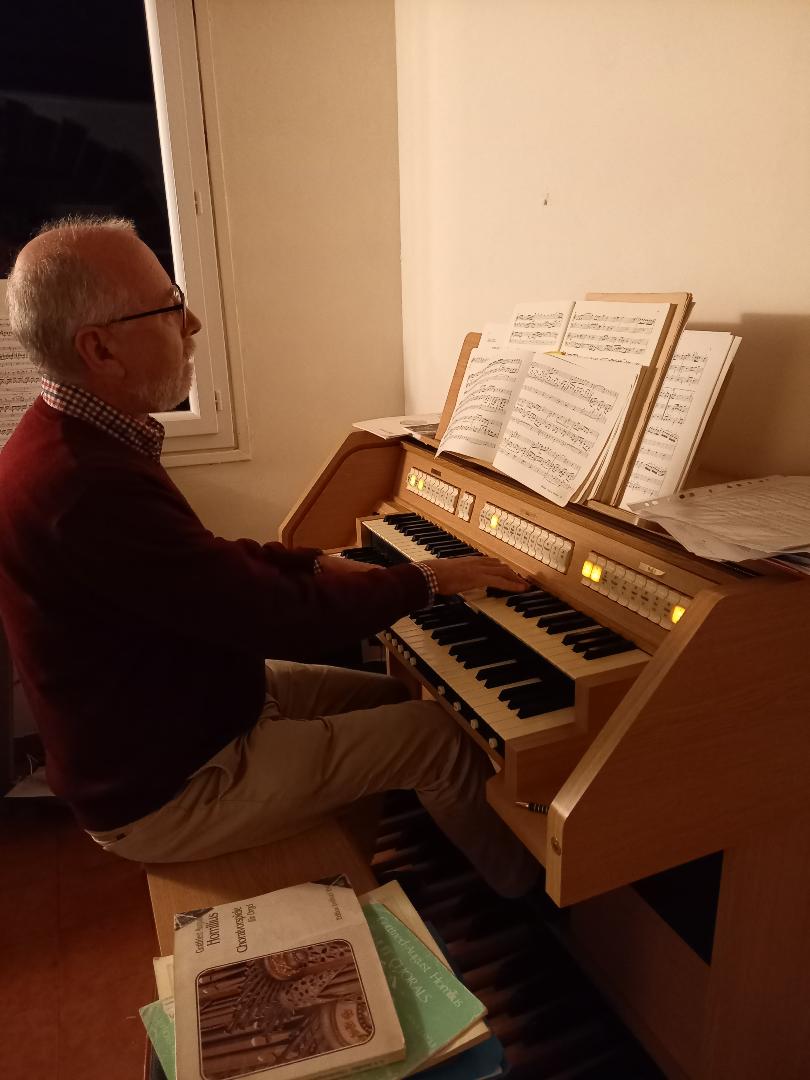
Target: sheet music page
(19,379)
(540,325)
(561,419)
(484,401)
(394,427)
(689,387)
(764,516)
(623,334)
(617,331)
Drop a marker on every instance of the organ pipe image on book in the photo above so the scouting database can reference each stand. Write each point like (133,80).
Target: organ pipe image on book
(287,1006)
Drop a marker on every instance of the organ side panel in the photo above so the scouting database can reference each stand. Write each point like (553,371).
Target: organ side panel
(657,703)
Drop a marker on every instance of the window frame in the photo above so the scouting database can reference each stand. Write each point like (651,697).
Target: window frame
(215,427)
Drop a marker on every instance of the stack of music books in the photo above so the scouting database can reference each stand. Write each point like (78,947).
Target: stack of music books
(307,982)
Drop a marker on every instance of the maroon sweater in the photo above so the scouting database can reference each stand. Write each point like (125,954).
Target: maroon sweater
(139,637)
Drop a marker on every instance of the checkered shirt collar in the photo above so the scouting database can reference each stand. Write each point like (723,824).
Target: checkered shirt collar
(144,436)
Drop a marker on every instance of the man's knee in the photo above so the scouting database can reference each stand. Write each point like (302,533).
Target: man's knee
(396,690)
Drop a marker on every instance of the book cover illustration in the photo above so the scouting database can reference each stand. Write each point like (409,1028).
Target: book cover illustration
(287,1006)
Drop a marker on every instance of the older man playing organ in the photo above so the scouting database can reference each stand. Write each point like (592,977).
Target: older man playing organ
(140,638)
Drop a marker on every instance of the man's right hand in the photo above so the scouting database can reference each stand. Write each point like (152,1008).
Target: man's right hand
(474,572)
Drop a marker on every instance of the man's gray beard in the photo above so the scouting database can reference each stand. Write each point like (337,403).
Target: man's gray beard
(165,394)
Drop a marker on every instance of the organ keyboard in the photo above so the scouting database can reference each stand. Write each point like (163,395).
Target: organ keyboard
(657,702)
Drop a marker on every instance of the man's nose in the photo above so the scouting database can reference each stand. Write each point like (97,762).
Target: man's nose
(193,324)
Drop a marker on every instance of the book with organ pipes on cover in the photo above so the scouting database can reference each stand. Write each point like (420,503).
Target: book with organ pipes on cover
(288,984)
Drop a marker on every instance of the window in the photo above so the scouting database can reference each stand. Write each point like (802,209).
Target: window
(85,127)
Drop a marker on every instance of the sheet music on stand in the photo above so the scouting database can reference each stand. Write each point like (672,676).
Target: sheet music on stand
(740,520)
(19,380)
(688,395)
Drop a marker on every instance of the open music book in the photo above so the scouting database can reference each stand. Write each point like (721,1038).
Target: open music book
(568,394)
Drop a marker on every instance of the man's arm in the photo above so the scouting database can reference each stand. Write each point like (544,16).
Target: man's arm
(136,549)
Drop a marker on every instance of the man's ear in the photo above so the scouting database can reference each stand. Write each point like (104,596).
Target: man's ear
(96,346)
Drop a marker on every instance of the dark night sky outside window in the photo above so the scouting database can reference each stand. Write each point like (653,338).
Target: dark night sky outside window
(78,127)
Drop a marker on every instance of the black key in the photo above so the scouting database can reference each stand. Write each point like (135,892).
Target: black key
(587,635)
(451,634)
(558,623)
(544,620)
(413,528)
(516,693)
(485,657)
(505,674)
(529,706)
(395,519)
(419,534)
(429,530)
(444,618)
(611,639)
(583,620)
(547,607)
(609,650)
(413,523)
(536,708)
(472,637)
(472,649)
(526,597)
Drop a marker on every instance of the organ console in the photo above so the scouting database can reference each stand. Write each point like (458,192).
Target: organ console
(655,701)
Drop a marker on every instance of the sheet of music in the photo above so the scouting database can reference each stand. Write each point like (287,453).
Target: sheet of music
(617,331)
(483,402)
(19,380)
(699,364)
(540,325)
(741,519)
(561,419)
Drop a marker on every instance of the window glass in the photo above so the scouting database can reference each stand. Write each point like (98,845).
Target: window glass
(78,128)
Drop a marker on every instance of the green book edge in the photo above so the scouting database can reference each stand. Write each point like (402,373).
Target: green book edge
(433,1006)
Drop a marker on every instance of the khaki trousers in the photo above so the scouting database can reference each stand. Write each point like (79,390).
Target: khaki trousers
(326,738)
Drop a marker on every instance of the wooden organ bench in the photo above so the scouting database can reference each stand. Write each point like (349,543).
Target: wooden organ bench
(323,851)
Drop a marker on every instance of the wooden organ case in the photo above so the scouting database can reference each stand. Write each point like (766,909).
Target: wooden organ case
(690,738)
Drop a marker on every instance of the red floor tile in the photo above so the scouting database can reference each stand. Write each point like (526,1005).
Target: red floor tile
(77,948)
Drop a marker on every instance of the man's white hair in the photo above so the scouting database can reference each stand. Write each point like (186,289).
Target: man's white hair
(50,298)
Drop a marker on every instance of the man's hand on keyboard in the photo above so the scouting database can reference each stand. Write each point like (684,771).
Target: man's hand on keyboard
(474,572)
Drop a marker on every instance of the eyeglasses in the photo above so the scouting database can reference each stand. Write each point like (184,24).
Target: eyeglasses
(180,305)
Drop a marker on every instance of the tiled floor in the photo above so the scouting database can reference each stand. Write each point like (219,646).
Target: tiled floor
(76,948)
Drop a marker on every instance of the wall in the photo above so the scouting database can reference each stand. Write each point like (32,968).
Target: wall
(548,149)
(300,101)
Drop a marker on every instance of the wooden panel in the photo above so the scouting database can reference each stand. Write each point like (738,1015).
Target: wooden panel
(537,765)
(758,1021)
(320,852)
(355,479)
(710,740)
(656,983)
(530,828)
